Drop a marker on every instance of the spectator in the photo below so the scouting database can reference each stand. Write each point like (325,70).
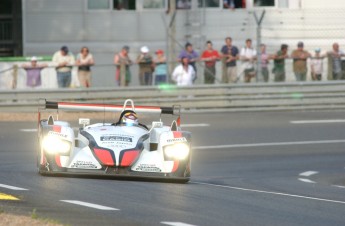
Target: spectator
(210,56)
(230,55)
(183,4)
(64,61)
(264,64)
(145,66)
(33,72)
(84,62)
(192,56)
(232,4)
(183,73)
(334,63)
(122,58)
(316,66)
(300,57)
(161,69)
(279,63)
(248,56)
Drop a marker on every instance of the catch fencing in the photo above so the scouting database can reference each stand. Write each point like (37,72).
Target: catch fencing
(13,76)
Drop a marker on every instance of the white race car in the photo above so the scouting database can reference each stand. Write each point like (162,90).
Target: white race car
(124,148)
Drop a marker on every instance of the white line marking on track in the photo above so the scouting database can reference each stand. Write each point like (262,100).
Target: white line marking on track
(306,180)
(318,121)
(308,173)
(272,193)
(13,187)
(195,125)
(91,205)
(28,130)
(269,144)
(176,223)
(338,186)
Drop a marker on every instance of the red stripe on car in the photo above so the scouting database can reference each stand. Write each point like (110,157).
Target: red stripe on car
(177,134)
(105,105)
(129,157)
(43,159)
(104,156)
(57,129)
(58,161)
(175,167)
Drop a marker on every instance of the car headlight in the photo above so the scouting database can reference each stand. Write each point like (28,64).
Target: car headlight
(55,145)
(178,151)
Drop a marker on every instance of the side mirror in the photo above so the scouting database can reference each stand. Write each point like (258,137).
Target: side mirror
(84,122)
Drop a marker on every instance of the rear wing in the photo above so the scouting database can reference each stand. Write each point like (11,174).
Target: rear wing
(174,110)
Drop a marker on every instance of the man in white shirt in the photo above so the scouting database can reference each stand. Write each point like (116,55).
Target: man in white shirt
(64,61)
(248,57)
(334,65)
(316,66)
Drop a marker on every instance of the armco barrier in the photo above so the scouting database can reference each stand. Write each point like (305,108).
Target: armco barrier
(201,98)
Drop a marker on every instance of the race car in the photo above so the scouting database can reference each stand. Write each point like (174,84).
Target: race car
(122,148)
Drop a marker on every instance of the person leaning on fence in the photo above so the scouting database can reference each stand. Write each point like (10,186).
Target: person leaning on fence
(265,74)
(183,73)
(316,66)
(33,72)
(192,56)
(144,60)
(161,69)
(210,56)
(279,63)
(300,57)
(84,62)
(122,59)
(64,61)
(230,55)
(335,71)
(248,57)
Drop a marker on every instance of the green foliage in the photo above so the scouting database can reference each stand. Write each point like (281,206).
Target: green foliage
(34,214)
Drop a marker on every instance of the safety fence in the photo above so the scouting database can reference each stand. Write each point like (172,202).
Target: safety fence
(198,98)
(13,76)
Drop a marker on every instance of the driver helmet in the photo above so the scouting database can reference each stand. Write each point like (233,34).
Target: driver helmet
(130,119)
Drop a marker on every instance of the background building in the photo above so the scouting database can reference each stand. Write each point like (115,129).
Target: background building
(41,27)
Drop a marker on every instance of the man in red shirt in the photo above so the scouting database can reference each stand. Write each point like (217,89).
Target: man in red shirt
(210,56)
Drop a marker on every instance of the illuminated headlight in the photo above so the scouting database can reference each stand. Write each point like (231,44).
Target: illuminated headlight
(55,145)
(177,151)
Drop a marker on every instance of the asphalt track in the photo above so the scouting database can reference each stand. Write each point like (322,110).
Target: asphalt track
(275,168)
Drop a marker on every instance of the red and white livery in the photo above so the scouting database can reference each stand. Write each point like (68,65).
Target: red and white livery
(114,148)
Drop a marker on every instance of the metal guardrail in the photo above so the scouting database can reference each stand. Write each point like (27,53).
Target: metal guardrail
(200,98)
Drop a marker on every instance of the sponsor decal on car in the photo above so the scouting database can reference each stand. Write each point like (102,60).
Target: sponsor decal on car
(180,139)
(84,165)
(112,145)
(148,168)
(117,138)
(53,133)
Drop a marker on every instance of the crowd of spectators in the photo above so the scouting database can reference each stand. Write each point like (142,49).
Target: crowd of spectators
(242,63)
(236,64)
